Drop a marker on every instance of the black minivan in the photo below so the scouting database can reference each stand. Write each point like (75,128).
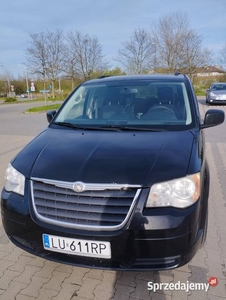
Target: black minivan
(119,178)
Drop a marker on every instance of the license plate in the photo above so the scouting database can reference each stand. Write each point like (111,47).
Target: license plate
(76,246)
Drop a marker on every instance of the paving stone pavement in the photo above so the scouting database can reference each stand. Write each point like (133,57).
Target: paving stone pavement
(26,277)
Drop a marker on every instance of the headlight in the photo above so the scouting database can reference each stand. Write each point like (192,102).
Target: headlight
(14,181)
(181,192)
(212,94)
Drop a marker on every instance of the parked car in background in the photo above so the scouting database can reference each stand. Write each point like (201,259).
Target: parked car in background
(216,93)
(2,95)
(118,180)
(22,96)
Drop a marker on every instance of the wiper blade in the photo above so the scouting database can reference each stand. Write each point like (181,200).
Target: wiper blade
(131,128)
(108,127)
(67,124)
(74,126)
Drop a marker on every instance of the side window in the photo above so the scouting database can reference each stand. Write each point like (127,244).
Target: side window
(94,101)
(76,110)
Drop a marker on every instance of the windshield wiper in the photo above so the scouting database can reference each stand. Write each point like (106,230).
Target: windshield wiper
(67,124)
(131,128)
(74,126)
(108,127)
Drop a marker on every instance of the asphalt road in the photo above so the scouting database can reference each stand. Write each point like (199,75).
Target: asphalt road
(26,277)
(13,120)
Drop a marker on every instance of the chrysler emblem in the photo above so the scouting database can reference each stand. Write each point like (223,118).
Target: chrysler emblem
(78,187)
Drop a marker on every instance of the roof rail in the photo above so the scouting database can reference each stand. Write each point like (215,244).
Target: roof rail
(103,76)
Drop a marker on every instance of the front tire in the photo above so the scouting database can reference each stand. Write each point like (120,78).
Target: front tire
(205,208)
(204,235)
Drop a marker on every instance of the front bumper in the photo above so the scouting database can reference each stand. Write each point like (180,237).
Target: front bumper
(159,238)
(215,100)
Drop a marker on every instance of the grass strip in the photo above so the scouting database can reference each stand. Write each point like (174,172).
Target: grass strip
(42,108)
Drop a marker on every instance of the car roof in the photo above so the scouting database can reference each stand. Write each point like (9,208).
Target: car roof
(171,77)
(218,83)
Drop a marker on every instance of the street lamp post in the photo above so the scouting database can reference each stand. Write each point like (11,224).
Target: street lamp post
(28,90)
(26,79)
(44,83)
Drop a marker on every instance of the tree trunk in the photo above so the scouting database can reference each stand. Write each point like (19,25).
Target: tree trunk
(53,89)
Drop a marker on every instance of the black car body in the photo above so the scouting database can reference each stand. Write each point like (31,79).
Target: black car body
(216,94)
(119,179)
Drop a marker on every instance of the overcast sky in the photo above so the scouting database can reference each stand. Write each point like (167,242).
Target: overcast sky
(111,21)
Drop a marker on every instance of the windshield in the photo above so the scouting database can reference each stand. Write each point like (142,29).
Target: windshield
(218,87)
(143,104)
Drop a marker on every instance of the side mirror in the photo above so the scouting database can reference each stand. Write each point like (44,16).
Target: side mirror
(213,117)
(50,114)
(208,90)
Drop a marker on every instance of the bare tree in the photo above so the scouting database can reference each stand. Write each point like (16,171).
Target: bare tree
(193,55)
(167,35)
(178,46)
(55,48)
(5,80)
(45,55)
(69,70)
(84,56)
(36,54)
(222,57)
(136,54)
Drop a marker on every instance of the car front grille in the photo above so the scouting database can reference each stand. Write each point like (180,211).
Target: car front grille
(107,208)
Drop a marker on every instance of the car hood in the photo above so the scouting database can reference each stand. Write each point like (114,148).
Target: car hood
(106,156)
